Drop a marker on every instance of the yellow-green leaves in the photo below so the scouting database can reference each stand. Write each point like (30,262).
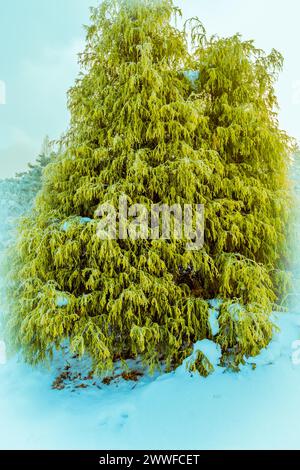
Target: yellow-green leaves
(141,128)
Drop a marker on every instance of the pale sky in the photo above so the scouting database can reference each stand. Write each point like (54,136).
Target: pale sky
(40,39)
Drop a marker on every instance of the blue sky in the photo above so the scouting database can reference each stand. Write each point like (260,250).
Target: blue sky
(39,42)
(40,39)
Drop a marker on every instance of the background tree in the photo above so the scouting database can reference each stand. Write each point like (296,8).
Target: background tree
(17,194)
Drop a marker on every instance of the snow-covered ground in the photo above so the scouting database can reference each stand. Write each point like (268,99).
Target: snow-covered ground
(254,409)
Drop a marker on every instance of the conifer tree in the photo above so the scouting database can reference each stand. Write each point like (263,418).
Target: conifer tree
(141,127)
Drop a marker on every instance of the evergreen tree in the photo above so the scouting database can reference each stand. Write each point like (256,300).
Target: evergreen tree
(141,127)
(17,194)
(30,181)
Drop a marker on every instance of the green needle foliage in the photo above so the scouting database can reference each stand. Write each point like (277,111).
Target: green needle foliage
(141,127)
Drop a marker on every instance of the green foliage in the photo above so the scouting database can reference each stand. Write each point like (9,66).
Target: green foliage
(140,127)
(200,364)
(30,181)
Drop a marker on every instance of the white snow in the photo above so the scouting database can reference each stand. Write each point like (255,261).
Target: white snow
(258,408)
(82,220)
(2,353)
(251,409)
(192,75)
(62,301)
(213,321)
